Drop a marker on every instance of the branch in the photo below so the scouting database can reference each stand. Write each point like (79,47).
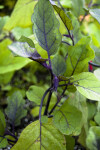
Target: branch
(94,65)
(65,42)
(48,102)
(40,110)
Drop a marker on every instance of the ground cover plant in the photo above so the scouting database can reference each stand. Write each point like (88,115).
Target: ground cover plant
(50,76)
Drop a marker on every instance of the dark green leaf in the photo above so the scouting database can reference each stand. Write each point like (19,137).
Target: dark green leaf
(70,142)
(15,110)
(27,40)
(67,22)
(2,123)
(79,56)
(46,26)
(58,65)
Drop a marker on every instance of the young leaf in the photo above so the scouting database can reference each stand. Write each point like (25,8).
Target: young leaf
(68,119)
(15,110)
(28,40)
(58,65)
(88,85)
(35,94)
(67,22)
(78,57)
(93,138)
(3,142)
(95,13)
(2,123)
(46,26)
(51,138)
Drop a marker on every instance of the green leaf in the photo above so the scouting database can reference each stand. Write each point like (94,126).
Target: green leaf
(3,20)
(77,7)
(21,16)
(79,101)
(2,123)
(15,110)
(3,142)
(46,26)
(6,78)
(97,118)
(19,31)
(58,65)
(93,138)
(22,49)
(66,5)
(51,138)
(97,73)
(78,57)
(70,142)
(67,22)
(28,40)
(88,85)
(95,13)
(91,110)
(8,62)
(68,119)
(35,94)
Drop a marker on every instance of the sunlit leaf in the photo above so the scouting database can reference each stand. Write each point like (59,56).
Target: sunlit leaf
(97,73)
(95,13)
(88,85)
(8,62)
(21,16)
(46,26)
(51,138)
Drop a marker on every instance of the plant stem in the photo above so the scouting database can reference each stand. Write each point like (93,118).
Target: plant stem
(95,65)
(40,110)
(48,102)
(66,42)
(59,98)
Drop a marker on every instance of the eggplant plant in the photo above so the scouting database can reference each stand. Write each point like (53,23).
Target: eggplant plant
(69,104)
